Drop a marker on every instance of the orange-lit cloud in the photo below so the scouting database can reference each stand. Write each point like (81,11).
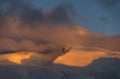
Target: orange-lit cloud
(50,42)
(16,57)
(25,58)
(79,56)
(83,58)
(48,33)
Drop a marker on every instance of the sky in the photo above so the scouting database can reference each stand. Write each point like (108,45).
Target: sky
(95,15)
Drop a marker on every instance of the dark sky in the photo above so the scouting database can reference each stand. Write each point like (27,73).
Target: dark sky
(95,15)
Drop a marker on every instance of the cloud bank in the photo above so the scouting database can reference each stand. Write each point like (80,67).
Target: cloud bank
(23,27)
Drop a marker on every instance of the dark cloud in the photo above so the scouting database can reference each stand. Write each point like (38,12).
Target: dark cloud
(109,3)
(61,14)
(30,14)
(26,28)
(23,27)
